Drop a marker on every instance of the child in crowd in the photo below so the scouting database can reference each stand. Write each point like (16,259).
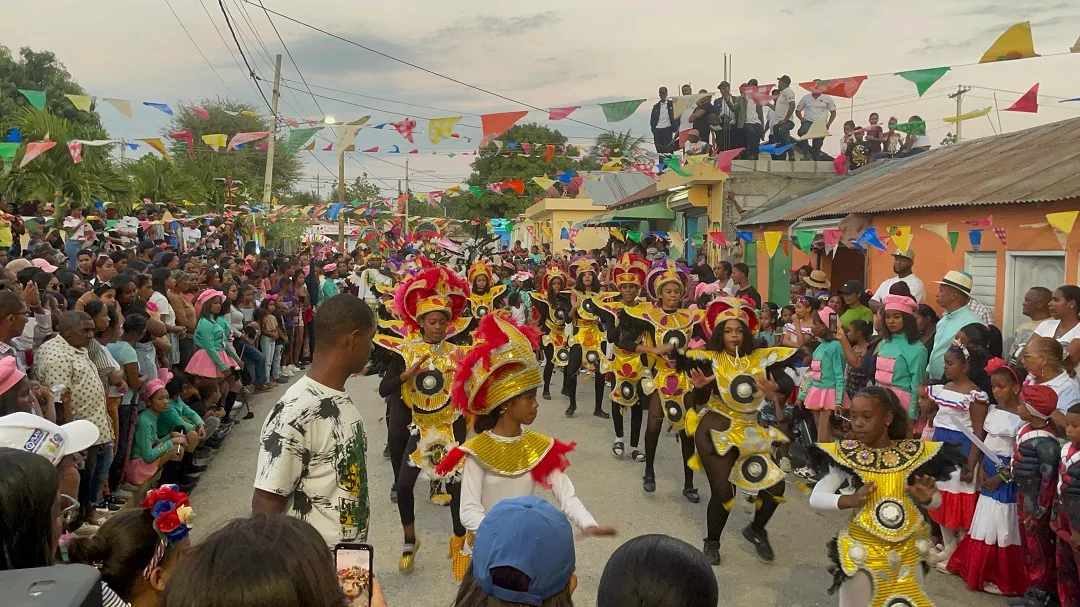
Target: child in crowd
(856,343)
(961,407)
(825,390)
(148,453)
(1066,521)
(786,314)
(901,357)
(989,557)
(767,329)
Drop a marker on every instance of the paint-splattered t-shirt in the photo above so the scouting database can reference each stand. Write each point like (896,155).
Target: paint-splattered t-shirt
(312,450)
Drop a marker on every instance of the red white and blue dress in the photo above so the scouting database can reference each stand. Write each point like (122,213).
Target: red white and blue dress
(954,414)
(991,551)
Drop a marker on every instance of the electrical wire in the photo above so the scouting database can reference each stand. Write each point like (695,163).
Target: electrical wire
(226,44)
(197,48)
(291,60)
(251,72)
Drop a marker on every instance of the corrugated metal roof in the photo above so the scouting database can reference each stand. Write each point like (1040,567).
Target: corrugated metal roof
(613,187)
(1041,164)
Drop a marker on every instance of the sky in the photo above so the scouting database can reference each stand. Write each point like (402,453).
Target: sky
(550,54)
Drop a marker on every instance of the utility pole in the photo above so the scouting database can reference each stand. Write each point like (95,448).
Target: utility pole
(268,178)
(959,97)
(341,197)
(318,190)
(408,195)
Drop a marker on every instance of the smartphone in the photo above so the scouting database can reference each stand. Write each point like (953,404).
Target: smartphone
(832,322)
(353,562)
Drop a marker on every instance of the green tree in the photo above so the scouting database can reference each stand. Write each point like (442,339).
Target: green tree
(626,143)
(362,189)
(40,71)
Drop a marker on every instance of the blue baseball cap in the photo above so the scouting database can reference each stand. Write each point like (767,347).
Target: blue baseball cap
(530,535)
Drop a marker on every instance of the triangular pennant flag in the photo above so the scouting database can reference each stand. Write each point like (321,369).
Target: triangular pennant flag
(925,78)
(186,136)
(549,153)
(975,238)
(441,128)
(202,112)
(122,105)
(310,145)
(683,102)
(564,234)
(394,150)
(981,223)
(719,238)
(616,234)
(560,113)
(805,238)
(566,177)
(215,141)
(831,237)
(836,87)
(673,163)
(870,237)
(8,149)
(494,125)
(723,159)
(161,107)
(81,102)
(1062,221)
(772,148)
(36,98)
(1063,238)
(968,115)
(517,185)
(242,138)
(633,235)
(917,127)
(818,130)
(35,149)
(525,147)
(1000,233)
(298,137)
(745,236)
(1029,102)
(772,241)
(510,145)
(157,144)
(761,95)
(14,136)
(902,236)
(75,149)
(371,150)
(498,146)
(940,229)
(616,111)
(1076,47)
(954,237)
(543,182)
(1014,43)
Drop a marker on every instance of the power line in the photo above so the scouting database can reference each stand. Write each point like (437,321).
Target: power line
(196,44)
(426,107)
(291,60)
(226,44)
(251,72)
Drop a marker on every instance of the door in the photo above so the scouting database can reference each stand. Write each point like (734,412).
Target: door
(1024,270)
(780,275)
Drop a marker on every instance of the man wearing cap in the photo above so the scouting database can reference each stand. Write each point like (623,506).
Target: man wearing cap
(952,297)
(328,287)
(902,263)
(785,109)
(694,144)
(852,291)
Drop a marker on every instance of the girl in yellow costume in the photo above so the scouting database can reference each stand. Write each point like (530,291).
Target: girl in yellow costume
(552,305)
(587,345)
(628,366)
(423,426)
(877,559)
(482,291)
(498,384)
(733,377)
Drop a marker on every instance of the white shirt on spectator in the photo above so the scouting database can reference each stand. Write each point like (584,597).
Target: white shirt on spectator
(694,147)
(663,120)
(85,232)
(814,110)
(783,102)
(918,291)
(751,110)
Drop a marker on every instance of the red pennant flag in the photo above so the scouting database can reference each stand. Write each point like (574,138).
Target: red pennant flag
(785,245)
(549,153)
(1029,102)
(200,112)
(186,136)
(518,185)
(559,113)
(374,149)
(35,149)
(719,238)
(761,95)
(723,159)
(414,151)
(525,147)
(75,149)
(980,223)
(837,87)
(329,147)
(496,124)
(293,122)
(1000,233)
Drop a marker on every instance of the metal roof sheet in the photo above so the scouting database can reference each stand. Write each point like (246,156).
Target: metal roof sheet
(613,187)
(1040,164)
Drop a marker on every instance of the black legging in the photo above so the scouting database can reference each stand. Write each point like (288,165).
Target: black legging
(637,414)
(398,418)
(573,365)
(722,492)
(549,366)
(652,437)
(406,480)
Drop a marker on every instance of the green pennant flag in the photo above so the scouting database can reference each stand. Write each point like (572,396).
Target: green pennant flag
(297,138)
(674,164)
(923,79)
(475,189)
(912,128)
(954,237)
(633,235)
(36,98)
(697,239)
(805,239)
(620,110)
(111,223)
(8,149)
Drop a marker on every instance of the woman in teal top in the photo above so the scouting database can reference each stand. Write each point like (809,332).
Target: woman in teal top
(146,450)
(215,355)
(823,387)
(902,357)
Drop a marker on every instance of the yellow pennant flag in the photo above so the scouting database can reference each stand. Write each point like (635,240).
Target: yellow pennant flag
(682,102)
(1015,43)
(902,237)
(157,144)
(441,128)
(772,241)
(818,130)
(941,229)
(81,102)
(617,234)
(122,105)
(543,182)
(216,140)
(614,165)
(249,113)
(1063,221)
(969,115)
(1076,47)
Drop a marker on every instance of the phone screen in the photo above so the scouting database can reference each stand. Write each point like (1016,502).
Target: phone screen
(353,562)
(832,322)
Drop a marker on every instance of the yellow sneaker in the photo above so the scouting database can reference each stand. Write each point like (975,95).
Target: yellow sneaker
(438,494)
(459,557)
(408,558)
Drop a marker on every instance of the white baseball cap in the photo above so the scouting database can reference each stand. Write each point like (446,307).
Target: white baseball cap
(35,434)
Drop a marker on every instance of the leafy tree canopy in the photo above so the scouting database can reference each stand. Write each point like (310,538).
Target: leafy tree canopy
(41,71)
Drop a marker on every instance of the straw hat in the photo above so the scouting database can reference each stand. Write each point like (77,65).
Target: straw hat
(818,279)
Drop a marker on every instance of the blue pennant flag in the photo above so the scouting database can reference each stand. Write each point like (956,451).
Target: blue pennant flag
(870,237)
(566,177)
(511,144)
(379,126)
(133,146)
(771,148)
(162,107)
(395,150)
(746,237)
(14,136)
(564,234)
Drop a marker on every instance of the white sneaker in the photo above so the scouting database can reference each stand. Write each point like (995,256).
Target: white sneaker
(286,372)
(293,369)
(785,464)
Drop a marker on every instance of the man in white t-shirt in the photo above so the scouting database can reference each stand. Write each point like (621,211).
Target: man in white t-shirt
(812,108)
(312,451)
(903,262)
(694,144)
(785,110)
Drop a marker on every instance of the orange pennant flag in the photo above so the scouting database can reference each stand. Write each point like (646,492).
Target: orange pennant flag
(496,124)
(157,144)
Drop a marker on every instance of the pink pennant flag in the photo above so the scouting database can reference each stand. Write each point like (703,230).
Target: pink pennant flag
(372,150)
(328,147)
(761,95)
(186,136)
(723,159)
(405,128)
(645,168)
(719,238)
(242,138)
(35,149)
(200,112)
(560,113)
(525,147)
(293,122)
(414,151)
(832,238)
(980,223)
(75,149)
(263,147)
(1028,103)
(1000,233)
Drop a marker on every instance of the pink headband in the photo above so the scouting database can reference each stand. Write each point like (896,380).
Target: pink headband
(9,373)
(824,314)
(900,303)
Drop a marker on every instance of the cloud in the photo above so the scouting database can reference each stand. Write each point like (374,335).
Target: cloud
(489,25)
(321,54)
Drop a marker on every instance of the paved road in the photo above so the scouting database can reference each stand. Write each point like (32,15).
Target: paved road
(610,488)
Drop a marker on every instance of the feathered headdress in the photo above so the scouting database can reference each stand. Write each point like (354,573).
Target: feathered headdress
(501,365)
(724,308)
(431,290)
(479,268)
(664,272)
(631,269)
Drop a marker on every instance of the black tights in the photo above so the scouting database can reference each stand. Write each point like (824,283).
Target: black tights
(652,437)
(722,492)
(406,481)
(549,366)
(572,367)
(636,418)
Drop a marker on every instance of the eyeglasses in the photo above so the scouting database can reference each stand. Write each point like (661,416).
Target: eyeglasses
(70,512)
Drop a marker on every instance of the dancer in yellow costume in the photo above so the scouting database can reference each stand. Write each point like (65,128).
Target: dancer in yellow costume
(483,291)
(628,366)
(423,426)
(878,558)
(732,448)
(552,305)
(587,344)
(498,385)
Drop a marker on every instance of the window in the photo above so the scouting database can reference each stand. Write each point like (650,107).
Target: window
(983,270)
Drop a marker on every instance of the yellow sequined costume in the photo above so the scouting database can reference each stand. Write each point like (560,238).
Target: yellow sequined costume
(673,328)
(587,332)
(553,318)
(627,366)
(887,538)
(479,305)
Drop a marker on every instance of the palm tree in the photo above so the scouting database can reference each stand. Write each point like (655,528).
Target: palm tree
(624,144)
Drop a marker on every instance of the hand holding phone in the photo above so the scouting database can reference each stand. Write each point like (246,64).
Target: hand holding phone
(354,562)
(832,322)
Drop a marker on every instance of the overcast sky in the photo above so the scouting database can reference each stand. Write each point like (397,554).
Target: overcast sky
(550,54)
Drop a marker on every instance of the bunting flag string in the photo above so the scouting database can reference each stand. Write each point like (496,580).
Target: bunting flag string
(1000,233)
(939,229)
(617,111)
(242,138)
(745,236)
(404,128)
(805,239)
(441,128)
(1062,221)
(561,113)
(925,78)
(719,238)
(902,236)
(298,137)
(954,238)
(81,102)
(832,237)
(772,241)
(36,98)
(35,149)
(836,87)
(75,149)
(493,125)
(870,237)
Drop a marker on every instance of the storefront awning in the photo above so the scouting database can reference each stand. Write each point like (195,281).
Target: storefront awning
(655,210)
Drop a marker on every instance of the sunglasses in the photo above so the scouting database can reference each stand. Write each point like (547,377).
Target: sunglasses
(70,512)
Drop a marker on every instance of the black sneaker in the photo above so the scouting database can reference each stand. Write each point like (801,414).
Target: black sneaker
(760,540)
(547,395)
(649,484)
(570,410)
(203,453)
(393,496)
(692,495)
(601,414)
(386,451)
(712,552)
(112,499)
(199,467)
